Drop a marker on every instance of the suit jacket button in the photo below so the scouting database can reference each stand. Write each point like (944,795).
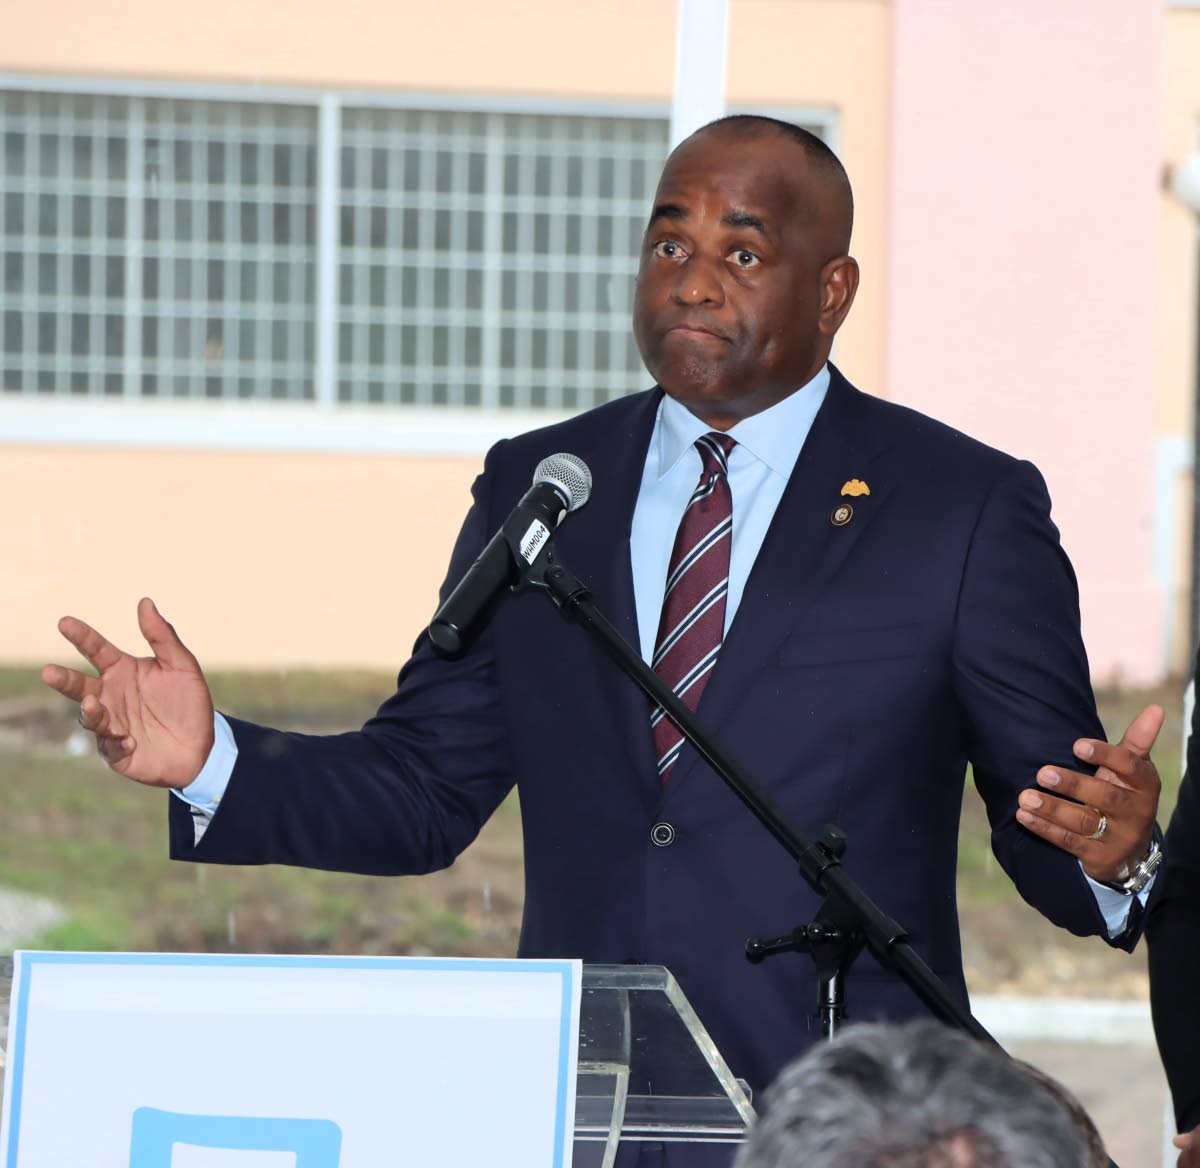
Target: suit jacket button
(662,834)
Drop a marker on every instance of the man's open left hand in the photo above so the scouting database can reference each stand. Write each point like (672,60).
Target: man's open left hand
(1109,827)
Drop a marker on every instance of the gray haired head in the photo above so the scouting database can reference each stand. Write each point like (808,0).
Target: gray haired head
(913,1096)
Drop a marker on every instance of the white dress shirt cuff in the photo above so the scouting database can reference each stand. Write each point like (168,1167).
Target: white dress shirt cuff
(204,792)
(1114,906)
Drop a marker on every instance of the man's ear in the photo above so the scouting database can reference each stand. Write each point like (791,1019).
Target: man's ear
(839,283)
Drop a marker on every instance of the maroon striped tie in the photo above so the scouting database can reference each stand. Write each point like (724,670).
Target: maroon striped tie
(693,613)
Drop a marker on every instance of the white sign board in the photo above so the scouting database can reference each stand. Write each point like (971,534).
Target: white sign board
(215,1061)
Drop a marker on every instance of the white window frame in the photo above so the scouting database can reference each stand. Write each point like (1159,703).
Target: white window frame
(323,424)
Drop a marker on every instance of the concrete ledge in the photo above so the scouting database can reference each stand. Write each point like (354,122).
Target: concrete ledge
(262,426)
(1101,1020)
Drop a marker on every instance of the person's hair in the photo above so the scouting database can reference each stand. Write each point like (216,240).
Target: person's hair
(914,1096)
(1096,1157)
(816,150)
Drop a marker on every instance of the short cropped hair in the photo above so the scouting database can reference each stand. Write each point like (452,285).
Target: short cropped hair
(914,1096)
(815,149)
(814,145)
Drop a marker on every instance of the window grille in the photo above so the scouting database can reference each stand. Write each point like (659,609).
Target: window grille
(489,258)
(160,246)
(157,246)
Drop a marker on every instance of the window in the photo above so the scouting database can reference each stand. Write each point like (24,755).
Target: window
(172,246)
(488,259)
(157,247)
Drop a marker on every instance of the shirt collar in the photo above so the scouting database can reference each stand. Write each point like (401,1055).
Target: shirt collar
(775,436)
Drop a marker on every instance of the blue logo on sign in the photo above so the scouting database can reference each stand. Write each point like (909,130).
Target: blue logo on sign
(317,1143)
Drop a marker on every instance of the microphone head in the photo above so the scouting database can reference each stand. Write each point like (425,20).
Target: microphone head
(570,474)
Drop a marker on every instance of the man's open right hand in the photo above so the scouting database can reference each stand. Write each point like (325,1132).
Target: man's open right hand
(152,716)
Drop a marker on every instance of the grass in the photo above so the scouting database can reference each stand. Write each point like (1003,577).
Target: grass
(95,843)
(287,697)
(73,831)
(19,681)
(98,845)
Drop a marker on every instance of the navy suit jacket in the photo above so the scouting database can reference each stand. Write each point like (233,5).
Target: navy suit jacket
(866,665)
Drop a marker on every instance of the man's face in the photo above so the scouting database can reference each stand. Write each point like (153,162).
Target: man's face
(733,309)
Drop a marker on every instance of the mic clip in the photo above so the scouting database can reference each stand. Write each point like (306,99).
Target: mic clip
(547,574)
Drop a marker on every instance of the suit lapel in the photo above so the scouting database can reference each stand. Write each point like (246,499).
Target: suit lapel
(595,546)
(801,554)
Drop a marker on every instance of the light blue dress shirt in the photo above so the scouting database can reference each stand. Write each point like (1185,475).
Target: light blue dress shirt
(760,465)
(768,445)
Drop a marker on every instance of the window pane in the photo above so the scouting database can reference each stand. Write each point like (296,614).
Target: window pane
(481,258)
(203,182)
(497,230)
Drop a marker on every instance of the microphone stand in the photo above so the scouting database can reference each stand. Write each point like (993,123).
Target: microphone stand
(847,920)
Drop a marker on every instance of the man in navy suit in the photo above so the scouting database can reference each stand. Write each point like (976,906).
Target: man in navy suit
(896,604)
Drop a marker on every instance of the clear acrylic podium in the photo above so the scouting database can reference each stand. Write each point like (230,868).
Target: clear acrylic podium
(648,1069)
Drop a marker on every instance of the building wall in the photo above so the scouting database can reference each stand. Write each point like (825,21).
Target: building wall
(1026,161)
(294,557)
(257,559)
(1023,277)
(1177,312)
(826,53)
(830,53)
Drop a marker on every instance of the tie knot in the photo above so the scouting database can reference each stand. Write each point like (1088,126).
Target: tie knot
(714,452)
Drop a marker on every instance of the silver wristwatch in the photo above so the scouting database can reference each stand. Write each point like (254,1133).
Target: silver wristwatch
(1141,874)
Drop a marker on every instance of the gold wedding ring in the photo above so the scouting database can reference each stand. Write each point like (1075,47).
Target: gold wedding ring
(1101,827)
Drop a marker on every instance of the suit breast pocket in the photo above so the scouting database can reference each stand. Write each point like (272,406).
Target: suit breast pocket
(849,646)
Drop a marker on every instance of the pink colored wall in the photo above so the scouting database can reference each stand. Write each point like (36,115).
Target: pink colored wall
(1022,266)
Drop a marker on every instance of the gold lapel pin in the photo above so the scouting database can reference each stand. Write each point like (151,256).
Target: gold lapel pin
(855,487)
(842,515)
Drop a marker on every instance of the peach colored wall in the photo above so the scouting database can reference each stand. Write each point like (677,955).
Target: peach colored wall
(1022,267)
(622,48)
(1175,350)
(258,559)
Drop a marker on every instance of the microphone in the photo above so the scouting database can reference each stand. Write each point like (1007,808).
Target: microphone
(561,483)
